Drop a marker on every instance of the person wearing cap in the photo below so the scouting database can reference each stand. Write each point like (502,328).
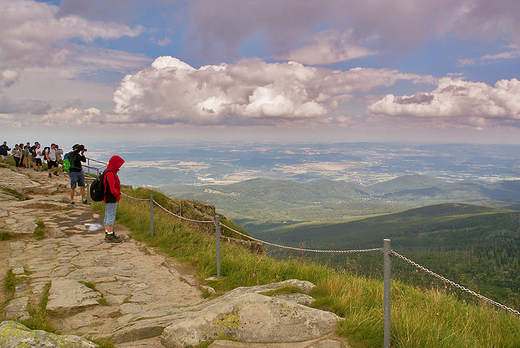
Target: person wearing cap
(76,156)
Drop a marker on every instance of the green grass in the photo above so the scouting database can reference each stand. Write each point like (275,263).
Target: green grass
(420,317)
(10,281)
(13,193)
(39,232)
(5,235)
(40,316)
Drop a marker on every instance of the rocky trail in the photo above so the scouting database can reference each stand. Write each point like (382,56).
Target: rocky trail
(127,293)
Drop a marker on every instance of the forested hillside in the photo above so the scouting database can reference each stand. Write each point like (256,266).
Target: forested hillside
(475,246)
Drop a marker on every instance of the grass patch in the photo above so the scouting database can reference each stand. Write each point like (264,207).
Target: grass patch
(420,318)
(103,343)
(13,193)
(102,301)
(40,316)
(290,289)
(10,281)
(40,230)
(4,235)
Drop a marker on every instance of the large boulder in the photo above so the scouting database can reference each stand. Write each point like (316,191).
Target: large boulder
(14,335)
(247,316)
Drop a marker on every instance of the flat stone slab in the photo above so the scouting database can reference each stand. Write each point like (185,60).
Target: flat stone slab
(66,294)
(17,309)
(319,343)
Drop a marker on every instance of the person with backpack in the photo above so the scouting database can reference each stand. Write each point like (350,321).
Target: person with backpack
(112,195)
(3,152)
(27,157)
(75,157)
(32,153)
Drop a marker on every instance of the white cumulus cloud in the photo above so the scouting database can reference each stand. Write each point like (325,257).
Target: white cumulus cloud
(251,91)
(458,102)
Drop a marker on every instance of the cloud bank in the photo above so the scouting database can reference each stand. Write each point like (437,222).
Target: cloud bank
(249,92)
(455,101)
(221,27)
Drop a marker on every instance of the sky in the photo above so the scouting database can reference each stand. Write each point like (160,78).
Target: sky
(271,70)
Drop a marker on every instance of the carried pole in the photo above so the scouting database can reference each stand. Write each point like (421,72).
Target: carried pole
(386,270)
(151,214)
(217,235)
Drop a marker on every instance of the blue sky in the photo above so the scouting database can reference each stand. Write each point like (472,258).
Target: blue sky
(284,70)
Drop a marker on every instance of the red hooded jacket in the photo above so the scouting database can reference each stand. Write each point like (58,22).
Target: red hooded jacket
(111,180)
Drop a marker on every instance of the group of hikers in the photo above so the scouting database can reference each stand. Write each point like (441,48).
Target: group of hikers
(34,156)
(31,156)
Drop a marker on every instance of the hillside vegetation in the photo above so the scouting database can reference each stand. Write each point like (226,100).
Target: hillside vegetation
(261,204)
(421,318)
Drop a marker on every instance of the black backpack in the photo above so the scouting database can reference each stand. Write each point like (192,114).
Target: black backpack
(97,188)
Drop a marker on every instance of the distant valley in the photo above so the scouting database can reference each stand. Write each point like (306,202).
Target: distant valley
(260,202)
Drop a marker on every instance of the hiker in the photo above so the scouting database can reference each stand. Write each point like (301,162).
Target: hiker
(27,155)
(3,152)
(22,154)
(17,154)
(52,160)
(59,157)
(76,156)
(38,156)
(32,153)
(112,195)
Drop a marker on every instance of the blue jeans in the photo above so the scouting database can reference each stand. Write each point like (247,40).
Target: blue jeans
(110,214)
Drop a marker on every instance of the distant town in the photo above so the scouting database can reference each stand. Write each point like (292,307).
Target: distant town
(362,163)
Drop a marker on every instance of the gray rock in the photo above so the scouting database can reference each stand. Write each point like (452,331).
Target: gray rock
(67,294)
(14,335)
(26,227)
(17,309)
(249,317)
(321,343)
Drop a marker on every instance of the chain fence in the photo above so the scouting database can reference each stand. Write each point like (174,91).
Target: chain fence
(301,249)
(452,283)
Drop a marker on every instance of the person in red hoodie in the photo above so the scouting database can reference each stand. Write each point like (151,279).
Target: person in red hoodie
(112,196)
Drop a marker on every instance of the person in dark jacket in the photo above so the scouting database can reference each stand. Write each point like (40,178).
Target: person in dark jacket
(3,151)
(112,195)
(76,156)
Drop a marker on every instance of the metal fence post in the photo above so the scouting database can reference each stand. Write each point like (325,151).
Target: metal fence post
(88,192)
(217,235)
(151,214)
(386,270)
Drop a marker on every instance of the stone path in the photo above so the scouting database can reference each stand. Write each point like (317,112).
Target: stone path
(95,287)
(127,293)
